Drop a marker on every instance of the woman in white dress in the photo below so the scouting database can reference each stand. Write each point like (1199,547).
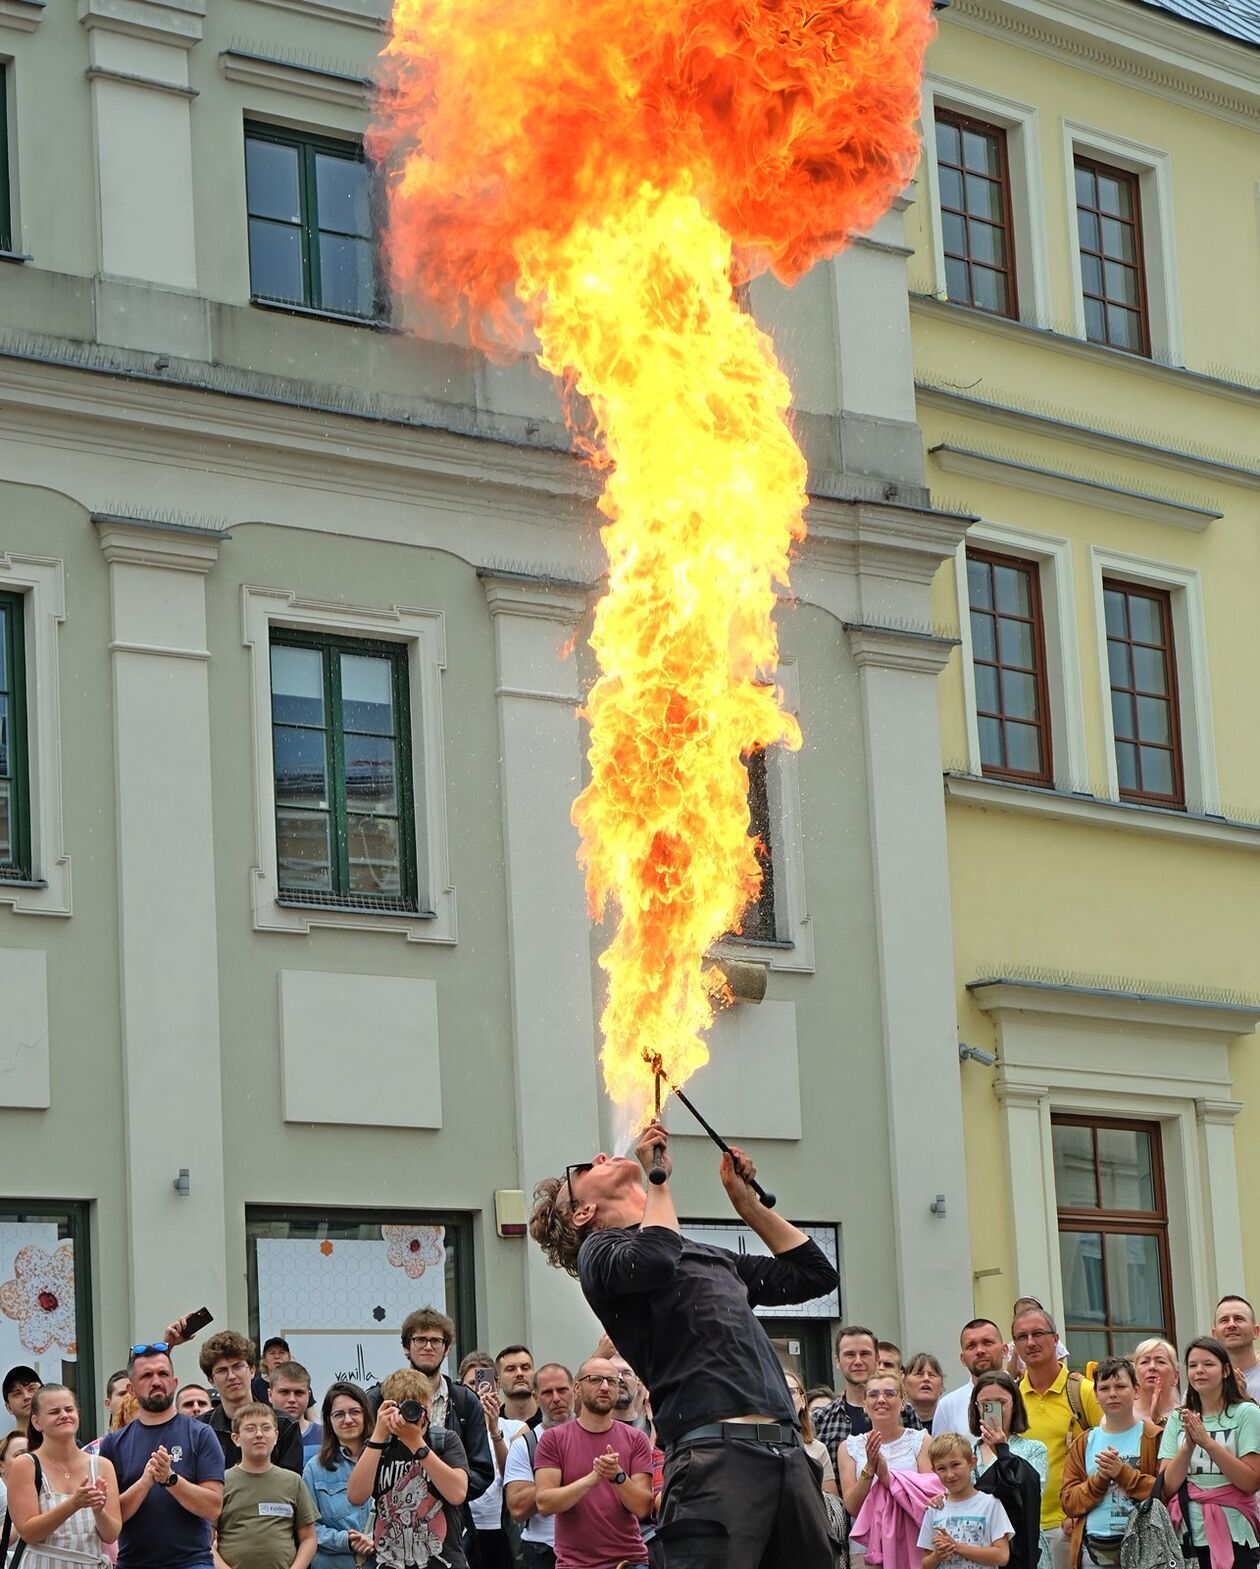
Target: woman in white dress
(887,1447)
(75,1511)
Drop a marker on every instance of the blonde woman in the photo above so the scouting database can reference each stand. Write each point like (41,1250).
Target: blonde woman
(889,1446)
(1158,1381)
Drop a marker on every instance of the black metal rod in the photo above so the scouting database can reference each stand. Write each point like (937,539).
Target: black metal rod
(657,1174)
(768,1199)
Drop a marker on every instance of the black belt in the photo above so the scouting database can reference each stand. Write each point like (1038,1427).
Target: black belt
(741,1432)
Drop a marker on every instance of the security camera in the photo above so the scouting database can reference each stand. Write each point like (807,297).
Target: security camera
(977,1054)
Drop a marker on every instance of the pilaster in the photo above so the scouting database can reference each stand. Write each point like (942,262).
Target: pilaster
(553,1023)
(1216,1120)
(1030,1189)
(168,944)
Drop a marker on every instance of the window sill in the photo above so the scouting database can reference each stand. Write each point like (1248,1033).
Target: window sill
(292,308)
(12,880)
(373,911)
(1070,806)
(17,257)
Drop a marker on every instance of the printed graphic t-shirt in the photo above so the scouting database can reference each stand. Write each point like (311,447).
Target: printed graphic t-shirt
(1238,1429)
(162,1534)
(415,1525)
(598,1530)
(261,1513)
(1110,1517)
(978,1521)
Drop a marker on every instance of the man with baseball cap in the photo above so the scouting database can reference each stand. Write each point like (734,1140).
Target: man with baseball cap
(20,1384)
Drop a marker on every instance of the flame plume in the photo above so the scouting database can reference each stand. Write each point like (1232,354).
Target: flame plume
(600,172)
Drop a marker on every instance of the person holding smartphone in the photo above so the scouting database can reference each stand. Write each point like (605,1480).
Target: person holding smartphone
(1009,1464)
(417,1479)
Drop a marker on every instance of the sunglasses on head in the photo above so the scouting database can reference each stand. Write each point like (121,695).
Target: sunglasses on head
(154,1348)
(580,1167)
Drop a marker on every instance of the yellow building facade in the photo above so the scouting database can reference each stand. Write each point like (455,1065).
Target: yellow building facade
(1085,277)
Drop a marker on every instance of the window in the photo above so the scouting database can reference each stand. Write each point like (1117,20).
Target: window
(6,205)
(758,924)
(1008,654)
(977,231)
(338,1286)
(1113,282)
(15,817)
(1113,1235)
(46,1288)
(1143,675)
(345,826)
(310,222)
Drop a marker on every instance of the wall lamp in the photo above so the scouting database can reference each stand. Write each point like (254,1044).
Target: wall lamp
(977,1054)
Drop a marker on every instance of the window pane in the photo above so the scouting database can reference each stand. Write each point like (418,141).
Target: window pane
(1093,1345)
(370,774)
(300,764)
(984,198)
(951,187)
(372,845)
(1122,283)
(302,851)
(1113,608)
(1119,666)
(4,738)
(1126,765)
(1016,642)
(1023,748)
(1084,1298)
(1134,1287)
(1115,196)
(1085,187)
(1019,695)
(1126,1173)
(988,289)
(1122,721)
(1124,328)
(342,195)
(1145,621)
(275,262)
(345,276)
(297,685)
(986,689)
(980,152)
(991,754)
(6,823)
(367,694)
(1074,1182)
(1153,720)
(982,643)
(271,181)
(4,649)
(1095,321)
(1157,771)
(978,589)
(957,280)
(1091,274)
(948,142)
(1087,229)
(1148,670)
(988,244)
(1118,241)
(1012,591)
(954,231)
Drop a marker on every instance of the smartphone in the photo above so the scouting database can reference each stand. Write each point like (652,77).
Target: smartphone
(194,1323)
(991,1412)
(483,1380)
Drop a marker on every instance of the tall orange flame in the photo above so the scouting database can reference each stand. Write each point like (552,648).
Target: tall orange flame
(611,166)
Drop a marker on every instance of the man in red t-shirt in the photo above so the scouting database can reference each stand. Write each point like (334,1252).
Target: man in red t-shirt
(595,1475)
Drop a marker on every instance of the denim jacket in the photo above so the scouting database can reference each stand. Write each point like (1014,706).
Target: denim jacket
(337,1515)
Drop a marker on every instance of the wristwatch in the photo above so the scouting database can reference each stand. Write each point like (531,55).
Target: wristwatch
(171,1480)
(423,1454)
(375,1443)
(619,1478)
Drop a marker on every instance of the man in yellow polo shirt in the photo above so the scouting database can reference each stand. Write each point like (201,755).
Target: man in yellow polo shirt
(1052,1420)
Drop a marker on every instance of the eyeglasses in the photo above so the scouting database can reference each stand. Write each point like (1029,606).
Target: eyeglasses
(226,1370)
(428,1341)
(580,1167)
(591,1378)
(1034,1334)
(347,1416)
(154,1349)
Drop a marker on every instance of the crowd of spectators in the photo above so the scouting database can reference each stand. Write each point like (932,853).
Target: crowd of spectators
(1027,1463)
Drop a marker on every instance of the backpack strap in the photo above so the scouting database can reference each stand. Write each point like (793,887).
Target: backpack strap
(530,1435)
(1072,1389)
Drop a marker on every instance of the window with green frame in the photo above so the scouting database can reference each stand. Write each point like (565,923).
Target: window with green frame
(341,754)
(46,1279)
(15,810)
(6,205)
(311,237)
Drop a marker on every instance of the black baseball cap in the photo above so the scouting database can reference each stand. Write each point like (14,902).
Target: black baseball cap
(15,1376)
(276,1340)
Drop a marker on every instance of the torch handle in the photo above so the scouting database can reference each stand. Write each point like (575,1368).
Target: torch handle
(658,1174)
(768,1199)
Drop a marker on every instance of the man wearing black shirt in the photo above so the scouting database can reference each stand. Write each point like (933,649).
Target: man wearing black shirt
(739,1489)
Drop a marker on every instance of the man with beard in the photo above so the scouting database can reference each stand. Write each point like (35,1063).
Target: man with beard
(509,1407)
(426,1339)
(982,1347)
(170,1472)
(595,1475)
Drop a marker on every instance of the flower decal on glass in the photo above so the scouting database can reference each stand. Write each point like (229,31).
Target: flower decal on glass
(414,1248)
(40,1297)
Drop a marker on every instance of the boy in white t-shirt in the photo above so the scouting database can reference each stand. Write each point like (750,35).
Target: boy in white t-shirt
(969,1527)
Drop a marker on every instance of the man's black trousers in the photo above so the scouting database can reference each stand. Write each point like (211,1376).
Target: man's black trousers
(728,1504)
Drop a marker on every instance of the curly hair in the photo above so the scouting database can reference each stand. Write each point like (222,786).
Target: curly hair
(227,1345)
(551,1226)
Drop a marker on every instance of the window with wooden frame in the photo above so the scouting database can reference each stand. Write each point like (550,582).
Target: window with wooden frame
(759,923)
(1113,1235)
(6,196)
(341,754)
(1113,271)
(311,237)
(978,234)
(1142,670)
(1008,656)
(15,794)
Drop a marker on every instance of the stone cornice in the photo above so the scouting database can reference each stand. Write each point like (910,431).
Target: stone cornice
(896,648)
(1140,46)
(24,16)
(373,14)
(304,81)
(998,995)
(1217,1113)
(177,22)
(144,544)
(541,599)
(882,539)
